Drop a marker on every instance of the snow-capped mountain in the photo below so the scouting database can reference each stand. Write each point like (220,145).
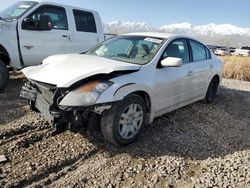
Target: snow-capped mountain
(207,30)
(119,27)
(224,34)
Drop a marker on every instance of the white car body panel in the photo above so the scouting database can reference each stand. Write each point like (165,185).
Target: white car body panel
(65,70)
(168,88)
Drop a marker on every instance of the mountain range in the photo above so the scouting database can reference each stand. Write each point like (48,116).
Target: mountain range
(224,34)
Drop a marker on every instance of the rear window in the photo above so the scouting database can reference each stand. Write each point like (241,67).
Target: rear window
(85,21)
(199,51)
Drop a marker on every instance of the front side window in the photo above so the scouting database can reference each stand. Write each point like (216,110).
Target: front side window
(178,49)
(199,51)
(85,21)
(57,16)
(131,49)
(17,10)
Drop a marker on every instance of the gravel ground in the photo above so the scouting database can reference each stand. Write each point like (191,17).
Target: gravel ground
(197,146)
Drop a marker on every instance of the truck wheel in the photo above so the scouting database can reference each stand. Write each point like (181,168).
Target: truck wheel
(122,124)
(4,75)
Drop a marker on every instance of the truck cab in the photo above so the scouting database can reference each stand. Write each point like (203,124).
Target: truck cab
(30,31)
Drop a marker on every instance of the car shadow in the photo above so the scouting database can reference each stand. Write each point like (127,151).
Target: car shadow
(198,131)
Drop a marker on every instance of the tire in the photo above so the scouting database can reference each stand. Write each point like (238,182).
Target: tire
(212,91)
(134,109)
(4,76)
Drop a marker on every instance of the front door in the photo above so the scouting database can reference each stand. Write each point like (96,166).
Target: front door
(37,45)
(174,84)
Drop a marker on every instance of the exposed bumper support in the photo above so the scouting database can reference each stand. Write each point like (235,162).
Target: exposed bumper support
(46,101)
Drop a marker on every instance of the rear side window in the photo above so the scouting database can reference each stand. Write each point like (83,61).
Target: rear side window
(199,51)
(85,21)
(57,15)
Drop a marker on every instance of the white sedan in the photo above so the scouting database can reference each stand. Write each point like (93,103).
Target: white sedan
(125,82)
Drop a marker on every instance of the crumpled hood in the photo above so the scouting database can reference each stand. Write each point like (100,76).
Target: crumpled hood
(65,70)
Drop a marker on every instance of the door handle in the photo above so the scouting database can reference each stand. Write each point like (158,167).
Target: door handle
(190,73)
(67,36)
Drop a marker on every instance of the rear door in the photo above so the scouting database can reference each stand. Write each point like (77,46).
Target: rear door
(86,32)
(37,45)
(201,67)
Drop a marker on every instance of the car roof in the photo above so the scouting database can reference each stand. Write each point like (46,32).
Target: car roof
(161,35)
(152,34)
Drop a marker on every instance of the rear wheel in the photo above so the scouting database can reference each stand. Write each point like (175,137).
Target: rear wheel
(122,124)
(212,91)
(4,75)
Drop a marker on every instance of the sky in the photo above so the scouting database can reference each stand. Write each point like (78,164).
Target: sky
(163,12)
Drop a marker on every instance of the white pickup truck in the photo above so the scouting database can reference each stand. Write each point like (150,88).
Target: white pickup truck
(30,31)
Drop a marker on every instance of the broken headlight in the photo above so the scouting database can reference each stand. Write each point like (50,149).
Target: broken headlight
(86,95)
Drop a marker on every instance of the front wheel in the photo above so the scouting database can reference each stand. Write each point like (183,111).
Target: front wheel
(212,91)
(4,75)
(122,124)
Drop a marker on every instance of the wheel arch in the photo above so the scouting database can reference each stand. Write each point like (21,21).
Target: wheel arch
(145,96)
(138,89)
(217,77)
(4,55)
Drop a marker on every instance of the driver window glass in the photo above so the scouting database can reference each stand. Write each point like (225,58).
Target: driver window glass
(57,15)
(178,49)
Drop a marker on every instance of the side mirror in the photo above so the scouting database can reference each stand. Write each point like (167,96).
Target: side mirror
(42,24)
(172,62)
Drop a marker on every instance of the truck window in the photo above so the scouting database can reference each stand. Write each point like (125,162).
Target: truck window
(85,21)
(57,15)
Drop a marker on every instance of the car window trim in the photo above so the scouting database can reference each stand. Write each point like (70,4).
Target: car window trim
(208,56)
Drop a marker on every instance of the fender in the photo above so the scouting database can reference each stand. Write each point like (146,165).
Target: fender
(12,52)
(121,92)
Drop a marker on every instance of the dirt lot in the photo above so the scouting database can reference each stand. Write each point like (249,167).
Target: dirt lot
(198,146)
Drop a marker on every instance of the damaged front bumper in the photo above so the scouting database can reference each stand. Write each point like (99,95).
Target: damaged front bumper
(46,98)
(41,99)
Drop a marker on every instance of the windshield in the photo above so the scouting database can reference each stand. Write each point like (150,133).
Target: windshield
(131,49)
(17,10)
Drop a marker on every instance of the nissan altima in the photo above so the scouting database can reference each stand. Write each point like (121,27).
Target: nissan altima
(123,83)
